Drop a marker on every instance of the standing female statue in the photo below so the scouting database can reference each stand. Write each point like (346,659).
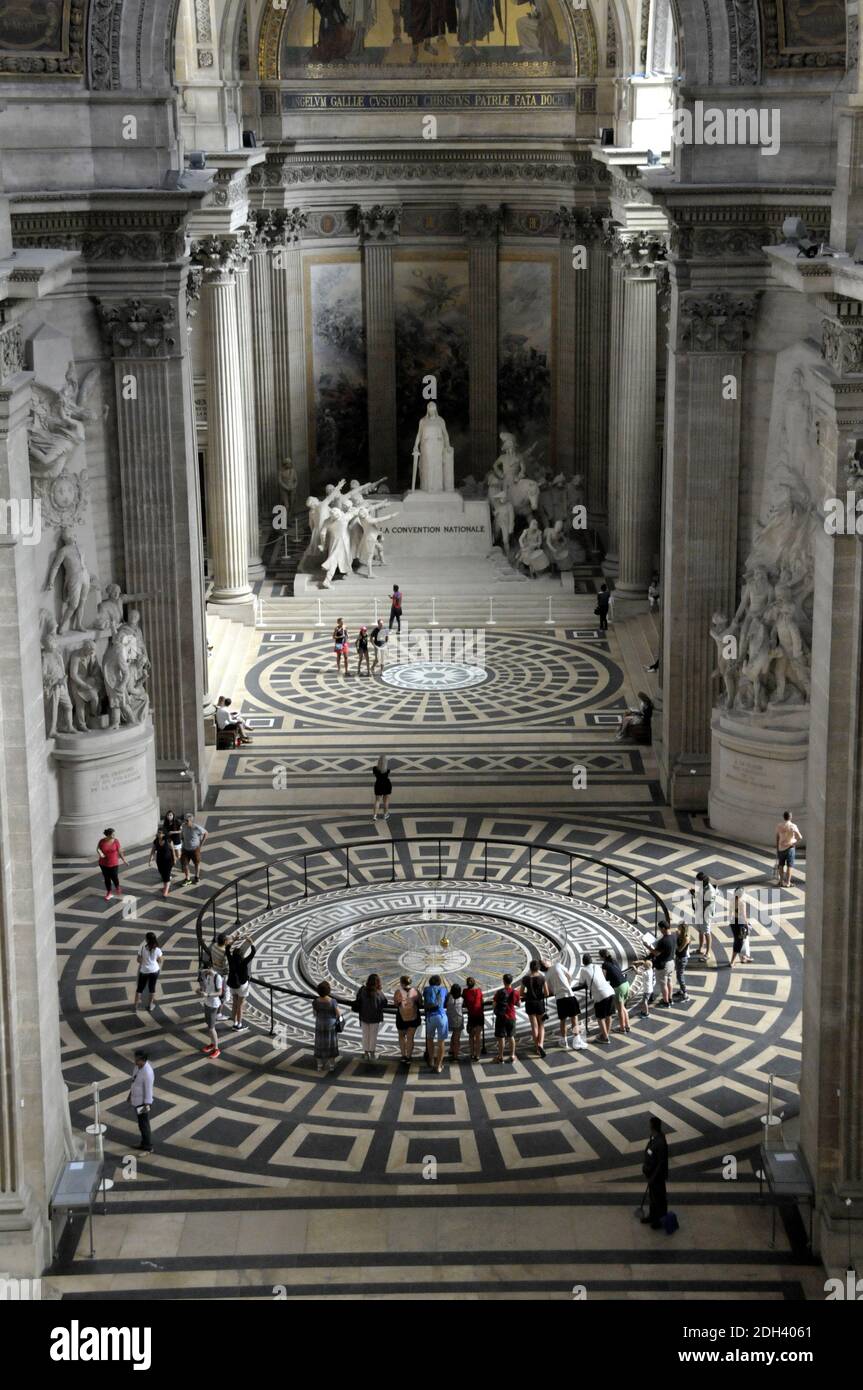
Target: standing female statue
(433,453)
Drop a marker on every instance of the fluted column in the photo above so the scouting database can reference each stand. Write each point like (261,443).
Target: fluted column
(599,316)
(226,473)
(481,227)
(158,470)
(262,340)
(638,463)
(708,330)
(611,561)
(245,339)
(378,228)
(567,348)
(289,346)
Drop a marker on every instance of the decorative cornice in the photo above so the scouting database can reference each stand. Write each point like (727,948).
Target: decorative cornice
(719,231)
(380,222)
(104,234)
(284,169)
(481,222)
(715,322)
(138,327)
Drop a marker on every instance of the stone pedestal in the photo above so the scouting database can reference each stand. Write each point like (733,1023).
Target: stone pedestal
(436,525)
(106,777)
(758,770)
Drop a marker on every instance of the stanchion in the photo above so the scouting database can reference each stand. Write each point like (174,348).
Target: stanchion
(769,1121)
(286,546)
(434,622)
(549,620)
(376,611)
(492,621)
(296,529)
(320,621)
(98,1129)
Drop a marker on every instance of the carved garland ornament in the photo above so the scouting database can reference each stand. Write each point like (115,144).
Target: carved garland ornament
(138,327)
(716,322)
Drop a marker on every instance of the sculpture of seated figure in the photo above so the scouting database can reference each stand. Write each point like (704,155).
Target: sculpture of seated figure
(530,551)
(557,546)
(85,685)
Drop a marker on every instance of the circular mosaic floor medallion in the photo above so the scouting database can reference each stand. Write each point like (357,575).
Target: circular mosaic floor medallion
(434,675)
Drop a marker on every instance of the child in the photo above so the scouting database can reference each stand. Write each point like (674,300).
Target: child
(455,1019)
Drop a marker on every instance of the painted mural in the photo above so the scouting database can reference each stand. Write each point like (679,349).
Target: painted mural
(377,33)
(336,356)
(432,339)
(526,327)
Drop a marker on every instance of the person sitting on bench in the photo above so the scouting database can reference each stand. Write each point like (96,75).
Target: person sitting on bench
(636,723)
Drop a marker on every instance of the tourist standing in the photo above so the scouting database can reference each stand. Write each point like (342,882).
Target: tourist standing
(219,961)
(370,1003)
(739,929)
(534,993)
(341,644)
(647,968)
(653,593)
(473,1005)
(655,1169)
(617,979)
(505,1003)
(240,956)
(149,965)
(437,1029)
(681,958)
(603,599)
(703,906)
(111,855)
(141,1097)
(193,838)
(600,992)
(380,636)
(173,828)
(407,1001)
(454,1020)
(396,598)
(328,1022)
(166,857)
(210,989)
(788,837)
(362,645)
(383,787)
(663,961)
(559,983)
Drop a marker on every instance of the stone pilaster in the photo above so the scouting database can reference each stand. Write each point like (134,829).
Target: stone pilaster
(289,344)
(637,465)
(226,473)
(378,228)
(263,353)
(481,227)
(32,1096)
(158,477)
(245,339)
(599,318)
(708,331)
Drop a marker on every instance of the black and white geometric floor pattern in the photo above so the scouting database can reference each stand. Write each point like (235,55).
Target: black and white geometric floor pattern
(260,1114)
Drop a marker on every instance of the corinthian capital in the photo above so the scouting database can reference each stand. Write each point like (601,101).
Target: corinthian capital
(638,252)
(288,225)
(377,223)
(717,321)
(220,255)
(138,327)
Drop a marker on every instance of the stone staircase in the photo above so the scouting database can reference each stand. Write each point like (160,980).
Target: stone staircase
(227,663)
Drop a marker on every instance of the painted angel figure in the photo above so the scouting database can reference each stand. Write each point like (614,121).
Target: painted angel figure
(57,421)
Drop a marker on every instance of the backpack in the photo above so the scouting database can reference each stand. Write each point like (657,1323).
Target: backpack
(670,1223)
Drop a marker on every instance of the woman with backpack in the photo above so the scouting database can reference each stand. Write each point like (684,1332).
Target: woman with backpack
(369,1005)
(406,1000)
(505,1002)
(149,965)
(534,993)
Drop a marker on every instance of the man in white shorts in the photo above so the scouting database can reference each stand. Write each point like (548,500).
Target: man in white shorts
(568,1008)
(788,837)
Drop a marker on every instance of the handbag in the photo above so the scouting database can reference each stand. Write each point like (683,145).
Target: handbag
(340,1024)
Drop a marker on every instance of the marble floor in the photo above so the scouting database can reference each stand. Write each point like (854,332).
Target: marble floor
(266,1174)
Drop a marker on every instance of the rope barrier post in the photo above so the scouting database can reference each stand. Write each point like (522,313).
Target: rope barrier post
(570,875)
(347,866)
(485,871)
(215,933)
(268,887)
(492,620)
(549,620)
(434,622)
(636,902)
(305,876)
(530,866)
(439,863)
(393,861)
(606,885)
(272,1017)
(296,529)
(320,621)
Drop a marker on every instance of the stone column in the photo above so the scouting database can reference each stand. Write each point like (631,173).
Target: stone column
(245,339)
(637,472)
(158,470)
(194,284)
(263,354)
(481,226)
(708,330)
(33,1100)
(378,228)
(599,318)
(611,562)
(566,351)
(226,473)
(289,345)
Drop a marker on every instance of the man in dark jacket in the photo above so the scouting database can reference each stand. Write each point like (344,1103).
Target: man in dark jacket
(655,1169)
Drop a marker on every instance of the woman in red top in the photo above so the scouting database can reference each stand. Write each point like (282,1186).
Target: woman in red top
(473,1008)
(110,854)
